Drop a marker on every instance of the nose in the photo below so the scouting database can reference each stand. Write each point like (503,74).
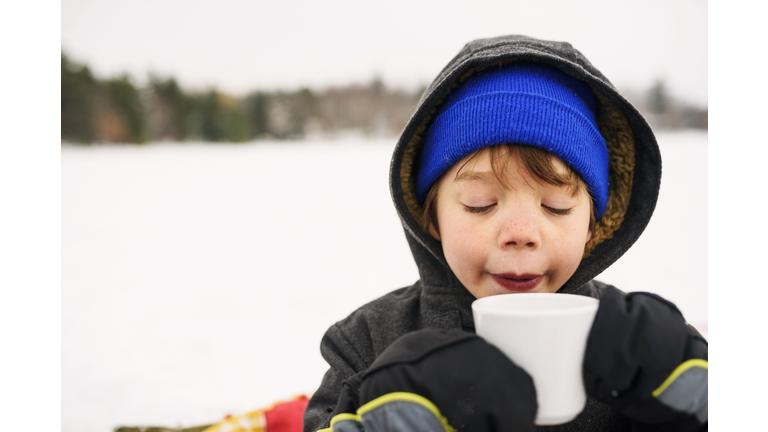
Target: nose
(520,230)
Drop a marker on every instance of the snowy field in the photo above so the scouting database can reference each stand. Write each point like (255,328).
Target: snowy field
(197,280)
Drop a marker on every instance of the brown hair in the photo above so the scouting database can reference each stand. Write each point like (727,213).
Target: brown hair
(537,163)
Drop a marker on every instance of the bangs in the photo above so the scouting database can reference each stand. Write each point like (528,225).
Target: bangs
(539,166)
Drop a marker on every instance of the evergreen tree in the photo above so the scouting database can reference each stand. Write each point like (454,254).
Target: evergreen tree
(178,104)
(212,126)
(238,129)
(256,107)
(124,99)
(658,98)
(78,87)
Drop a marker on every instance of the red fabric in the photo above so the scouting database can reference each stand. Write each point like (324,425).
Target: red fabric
(286,416)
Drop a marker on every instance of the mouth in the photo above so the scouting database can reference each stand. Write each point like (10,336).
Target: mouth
(517,282)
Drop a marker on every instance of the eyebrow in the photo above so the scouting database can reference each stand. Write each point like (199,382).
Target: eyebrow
(469,175)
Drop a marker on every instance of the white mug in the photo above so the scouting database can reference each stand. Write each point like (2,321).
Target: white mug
(546,335)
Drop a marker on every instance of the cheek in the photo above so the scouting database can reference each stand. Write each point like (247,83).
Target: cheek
(571,241)
(462,246)
(573,238)
(466,261)
(565,259)
(460,250)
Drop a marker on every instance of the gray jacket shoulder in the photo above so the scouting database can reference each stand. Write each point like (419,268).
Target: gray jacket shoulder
(374,326)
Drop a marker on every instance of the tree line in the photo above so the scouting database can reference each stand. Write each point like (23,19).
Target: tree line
(666,112)
(117,110)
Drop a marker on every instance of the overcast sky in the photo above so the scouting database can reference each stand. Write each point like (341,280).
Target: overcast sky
(239,46)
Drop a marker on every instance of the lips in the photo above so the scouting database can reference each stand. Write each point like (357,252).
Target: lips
(517,282)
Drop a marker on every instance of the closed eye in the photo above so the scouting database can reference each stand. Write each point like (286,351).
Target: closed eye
(479,210)
(558,212)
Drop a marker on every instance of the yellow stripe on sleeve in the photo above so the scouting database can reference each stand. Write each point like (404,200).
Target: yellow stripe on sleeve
(406,397)
(684,366)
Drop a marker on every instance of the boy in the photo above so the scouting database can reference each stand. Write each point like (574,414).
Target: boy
(522,170)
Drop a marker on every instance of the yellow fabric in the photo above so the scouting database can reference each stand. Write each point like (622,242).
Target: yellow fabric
(345,416)
(684,366)
(254,421)
(341,417)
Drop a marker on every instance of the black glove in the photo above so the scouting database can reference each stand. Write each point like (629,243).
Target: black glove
(438,380)
(644,361)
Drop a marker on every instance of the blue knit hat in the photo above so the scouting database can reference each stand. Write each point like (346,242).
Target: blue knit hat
(518,103)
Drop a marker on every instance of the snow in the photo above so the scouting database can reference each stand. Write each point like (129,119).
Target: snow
(198,279)
(670,258)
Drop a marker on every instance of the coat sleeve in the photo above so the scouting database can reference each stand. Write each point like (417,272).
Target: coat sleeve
(647,363)
(345,361)
(434,380)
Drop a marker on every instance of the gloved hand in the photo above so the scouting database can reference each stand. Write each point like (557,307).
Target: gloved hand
(438,380)
(644,361)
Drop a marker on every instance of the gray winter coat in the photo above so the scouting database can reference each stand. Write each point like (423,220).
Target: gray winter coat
(438,299)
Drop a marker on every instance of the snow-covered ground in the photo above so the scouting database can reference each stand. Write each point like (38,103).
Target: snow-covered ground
(197,280)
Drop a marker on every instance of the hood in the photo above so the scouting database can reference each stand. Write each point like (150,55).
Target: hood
(635,161)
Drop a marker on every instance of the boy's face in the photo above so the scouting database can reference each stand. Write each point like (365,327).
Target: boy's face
(529,237)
